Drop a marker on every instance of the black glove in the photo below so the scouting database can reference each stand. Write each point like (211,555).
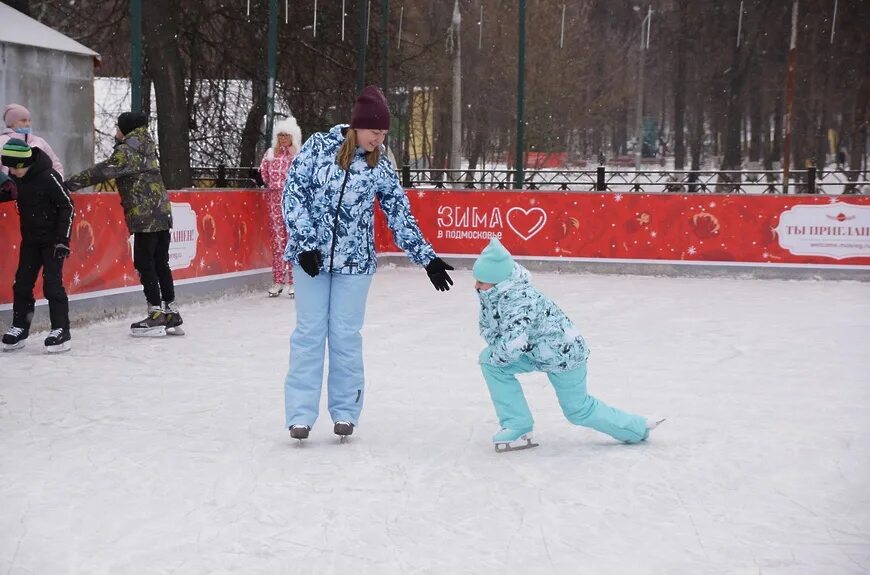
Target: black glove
(437,271)
(61,250)
(310,262)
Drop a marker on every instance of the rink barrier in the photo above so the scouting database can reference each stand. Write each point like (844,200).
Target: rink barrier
(218,235)
(709,230)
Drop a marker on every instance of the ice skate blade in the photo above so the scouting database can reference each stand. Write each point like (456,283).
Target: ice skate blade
(273,294)
(13,346)
(158,331)
(65,346)
(174,331)
(514,446)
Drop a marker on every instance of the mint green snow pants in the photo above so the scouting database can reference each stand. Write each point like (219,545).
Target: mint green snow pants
(579,407)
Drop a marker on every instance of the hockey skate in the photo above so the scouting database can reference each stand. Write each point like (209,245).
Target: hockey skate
(152,326)
(513,440)
(275,290)
(14,338)
(299,432)
(343,429)
(173,320)
(58,341)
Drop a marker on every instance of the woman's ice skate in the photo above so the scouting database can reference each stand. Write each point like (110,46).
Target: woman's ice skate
(290,290)
(299,432)
(275,290)
(513,439)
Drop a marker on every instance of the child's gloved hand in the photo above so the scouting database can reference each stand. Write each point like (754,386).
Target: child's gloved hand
(61,250)
(8,187)
(437,272)
(310,262)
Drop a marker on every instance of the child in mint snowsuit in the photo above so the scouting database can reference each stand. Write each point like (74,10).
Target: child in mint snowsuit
(525,332)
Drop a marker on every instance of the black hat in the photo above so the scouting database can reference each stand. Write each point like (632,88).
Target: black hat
(129,121)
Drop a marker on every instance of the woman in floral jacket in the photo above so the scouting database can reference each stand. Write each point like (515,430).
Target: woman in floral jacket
(286,139)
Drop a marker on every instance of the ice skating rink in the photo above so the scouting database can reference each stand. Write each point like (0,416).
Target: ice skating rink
(151,456)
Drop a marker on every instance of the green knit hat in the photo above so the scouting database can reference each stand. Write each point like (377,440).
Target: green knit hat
(494,265)
(17,154)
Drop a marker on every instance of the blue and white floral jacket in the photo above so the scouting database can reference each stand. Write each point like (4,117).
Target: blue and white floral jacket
(517,320)
(332,210)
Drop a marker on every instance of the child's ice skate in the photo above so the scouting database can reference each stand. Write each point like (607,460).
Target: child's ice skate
(152,326)
(652,423)
(173,320)
(58,341)
(291,291)
(513,439)
(275,290)
(14,338)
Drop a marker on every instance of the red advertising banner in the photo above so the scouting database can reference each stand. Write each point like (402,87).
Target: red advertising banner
(654,228)
(214,233)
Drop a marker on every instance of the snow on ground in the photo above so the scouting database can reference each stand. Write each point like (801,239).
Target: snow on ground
(169,455)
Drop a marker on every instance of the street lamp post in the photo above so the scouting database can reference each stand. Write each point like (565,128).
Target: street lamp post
(644,46)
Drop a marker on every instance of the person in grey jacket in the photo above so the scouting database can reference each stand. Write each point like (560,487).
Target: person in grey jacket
(328,204)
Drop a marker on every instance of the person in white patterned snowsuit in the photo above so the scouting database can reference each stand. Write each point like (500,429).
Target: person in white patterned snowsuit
(329,210)
(525,332)
(286,139)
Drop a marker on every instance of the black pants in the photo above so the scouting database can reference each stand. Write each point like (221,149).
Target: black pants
(151,259)
(31,258)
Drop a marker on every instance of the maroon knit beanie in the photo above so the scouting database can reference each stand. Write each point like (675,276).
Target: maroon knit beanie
(370,111)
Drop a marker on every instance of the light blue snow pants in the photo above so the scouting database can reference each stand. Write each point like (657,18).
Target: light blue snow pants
(579,407)
(330,309)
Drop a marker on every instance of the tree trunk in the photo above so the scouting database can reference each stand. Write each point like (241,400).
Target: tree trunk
(756,107)
(251,133)
(160,29)
(680,88)
(776,146)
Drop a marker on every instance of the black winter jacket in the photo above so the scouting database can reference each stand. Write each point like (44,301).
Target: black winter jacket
(44,205)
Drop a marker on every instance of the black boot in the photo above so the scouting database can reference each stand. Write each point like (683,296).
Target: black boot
(173,319)
(14,338)
(58,340)
(152,326)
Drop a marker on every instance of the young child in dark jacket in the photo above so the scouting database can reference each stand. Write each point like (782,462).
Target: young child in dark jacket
(525,332)
(46,213)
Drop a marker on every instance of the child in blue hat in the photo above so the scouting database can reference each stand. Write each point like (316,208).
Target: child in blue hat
(525,332)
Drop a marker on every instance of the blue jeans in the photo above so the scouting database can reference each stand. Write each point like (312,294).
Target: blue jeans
(330,309)
(579,407)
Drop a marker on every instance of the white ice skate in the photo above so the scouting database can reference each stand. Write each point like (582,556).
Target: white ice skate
(290,290)
(513,439)
(654,422)
(275,290)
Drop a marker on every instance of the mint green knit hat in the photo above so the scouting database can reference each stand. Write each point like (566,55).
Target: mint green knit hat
(494,265)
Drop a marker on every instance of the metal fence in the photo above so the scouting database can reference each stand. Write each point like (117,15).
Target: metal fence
(809,181)
(672,181)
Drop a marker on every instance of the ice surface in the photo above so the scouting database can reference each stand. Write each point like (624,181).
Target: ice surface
(129,456)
